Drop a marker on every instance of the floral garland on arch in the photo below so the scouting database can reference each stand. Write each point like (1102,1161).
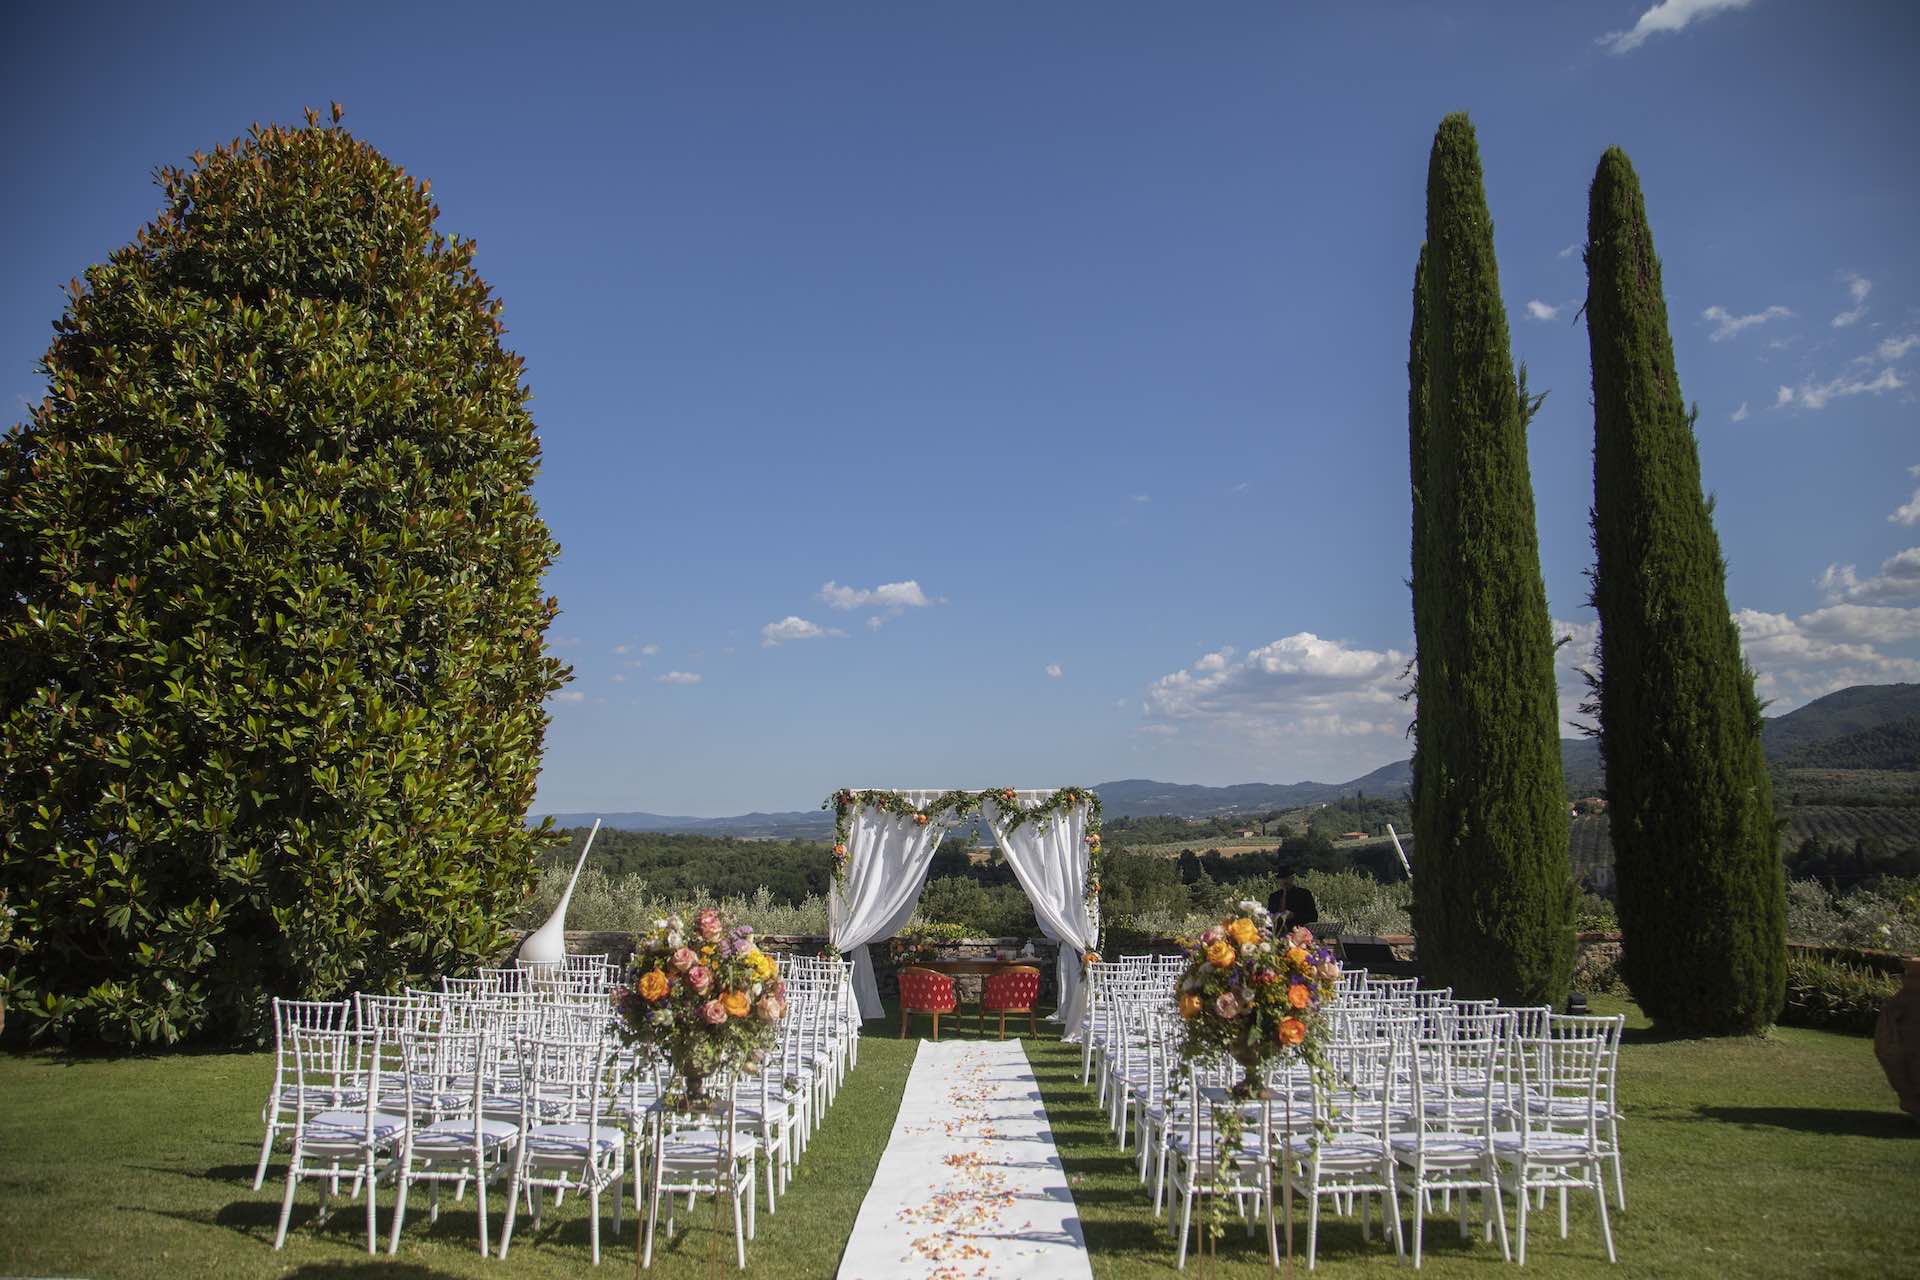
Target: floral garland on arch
(961,805)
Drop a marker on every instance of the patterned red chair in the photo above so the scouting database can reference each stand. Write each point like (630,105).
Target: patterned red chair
(925,991)
(1011,990)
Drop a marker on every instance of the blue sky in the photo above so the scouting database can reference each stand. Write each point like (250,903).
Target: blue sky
(1015,394)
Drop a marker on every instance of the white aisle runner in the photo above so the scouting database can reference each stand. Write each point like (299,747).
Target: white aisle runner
(970,1186)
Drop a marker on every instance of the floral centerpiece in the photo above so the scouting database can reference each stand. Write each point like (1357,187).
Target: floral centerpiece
(1255,995)
(706,998)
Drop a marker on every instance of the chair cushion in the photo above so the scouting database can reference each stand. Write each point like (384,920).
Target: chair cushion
(926,991)
(1010,992)
(563,1141)
(336,1127)
(454,1135)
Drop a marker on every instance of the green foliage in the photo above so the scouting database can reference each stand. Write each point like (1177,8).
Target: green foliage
(1690,802)
(272,682)
(1834,996)
(679,866)
(630,903)
(1886,919)
(997,911)
(1492,887)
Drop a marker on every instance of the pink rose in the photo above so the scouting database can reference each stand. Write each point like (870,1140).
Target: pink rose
(709,922)
(1211,936)
(1227,1006)
(713,1012)
(700,978)
(683,959)
(772,1008)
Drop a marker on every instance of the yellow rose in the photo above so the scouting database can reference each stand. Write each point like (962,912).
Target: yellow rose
(1244,931)
(1221,954)
(653,984)
(1296,955)
(1189,1005)
(736,1003)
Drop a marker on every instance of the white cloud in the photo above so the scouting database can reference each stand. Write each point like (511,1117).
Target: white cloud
(1858,287)
(893,596)
(679,677)
(1242,487)
(621,648)
(792,628)
(1055,671)
(875,621)
(1301,684)
(1142,497)
(1891,349)
(648,650)
(619,677)
(1569,251)
(1864,623)
(564,642)
(1910,513)
(1667,15)
(1798,659)
(1573,662)
(1898,579)
(1740,414)
(1727,324)
(1817,395)
(569,695)
(1538,310)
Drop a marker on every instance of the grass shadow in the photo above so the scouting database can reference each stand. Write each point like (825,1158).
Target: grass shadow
(1835,1122)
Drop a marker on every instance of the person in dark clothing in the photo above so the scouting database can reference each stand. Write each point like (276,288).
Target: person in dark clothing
(1291,905)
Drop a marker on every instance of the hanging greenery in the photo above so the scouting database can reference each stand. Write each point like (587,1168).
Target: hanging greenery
(958,806)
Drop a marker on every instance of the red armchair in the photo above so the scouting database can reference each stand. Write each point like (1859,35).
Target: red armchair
(925,991)
(1011,990)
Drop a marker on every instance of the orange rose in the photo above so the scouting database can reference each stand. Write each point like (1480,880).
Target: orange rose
(737,1003)
(653,984)
(1298,996)
(1244,931)
(1292,1031)
(1189,1005)
(1221,954)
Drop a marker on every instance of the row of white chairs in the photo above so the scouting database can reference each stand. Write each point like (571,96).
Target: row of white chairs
(1422,1094)
(524,1077)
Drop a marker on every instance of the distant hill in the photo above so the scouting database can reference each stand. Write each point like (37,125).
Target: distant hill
(1894,745)
(1866,722)
(1840,714)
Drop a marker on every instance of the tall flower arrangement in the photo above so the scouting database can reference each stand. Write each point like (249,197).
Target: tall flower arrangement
(705,997)
(1255,995)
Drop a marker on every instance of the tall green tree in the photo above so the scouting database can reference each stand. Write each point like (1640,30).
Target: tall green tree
(272,672)
(1492,894)
(1702,894)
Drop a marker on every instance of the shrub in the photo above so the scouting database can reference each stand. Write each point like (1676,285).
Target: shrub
(272,679)
(996,911)
(1862,918)
(1829,995)
(1594,914)
(629,904)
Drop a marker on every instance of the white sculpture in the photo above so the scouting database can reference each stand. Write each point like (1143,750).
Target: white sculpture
(547,945)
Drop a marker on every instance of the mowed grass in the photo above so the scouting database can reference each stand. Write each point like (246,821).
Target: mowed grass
(1782,1156)
(143,1167)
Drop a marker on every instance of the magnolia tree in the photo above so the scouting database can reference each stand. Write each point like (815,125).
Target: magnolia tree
(273,680)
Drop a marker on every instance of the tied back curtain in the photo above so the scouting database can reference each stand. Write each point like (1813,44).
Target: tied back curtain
(887,860)
(1051,864)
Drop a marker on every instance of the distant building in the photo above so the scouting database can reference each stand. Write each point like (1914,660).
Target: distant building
(1353,835)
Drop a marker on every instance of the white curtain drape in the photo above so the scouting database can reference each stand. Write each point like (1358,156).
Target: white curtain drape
(1051,865)
(887,860)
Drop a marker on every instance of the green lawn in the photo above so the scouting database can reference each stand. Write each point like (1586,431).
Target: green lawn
(1784,1156)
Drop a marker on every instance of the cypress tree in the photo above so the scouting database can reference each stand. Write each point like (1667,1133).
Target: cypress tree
(272,679)
(1702,895)
(1492,904)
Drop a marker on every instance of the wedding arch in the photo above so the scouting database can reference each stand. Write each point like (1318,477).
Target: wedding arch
(884,842)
